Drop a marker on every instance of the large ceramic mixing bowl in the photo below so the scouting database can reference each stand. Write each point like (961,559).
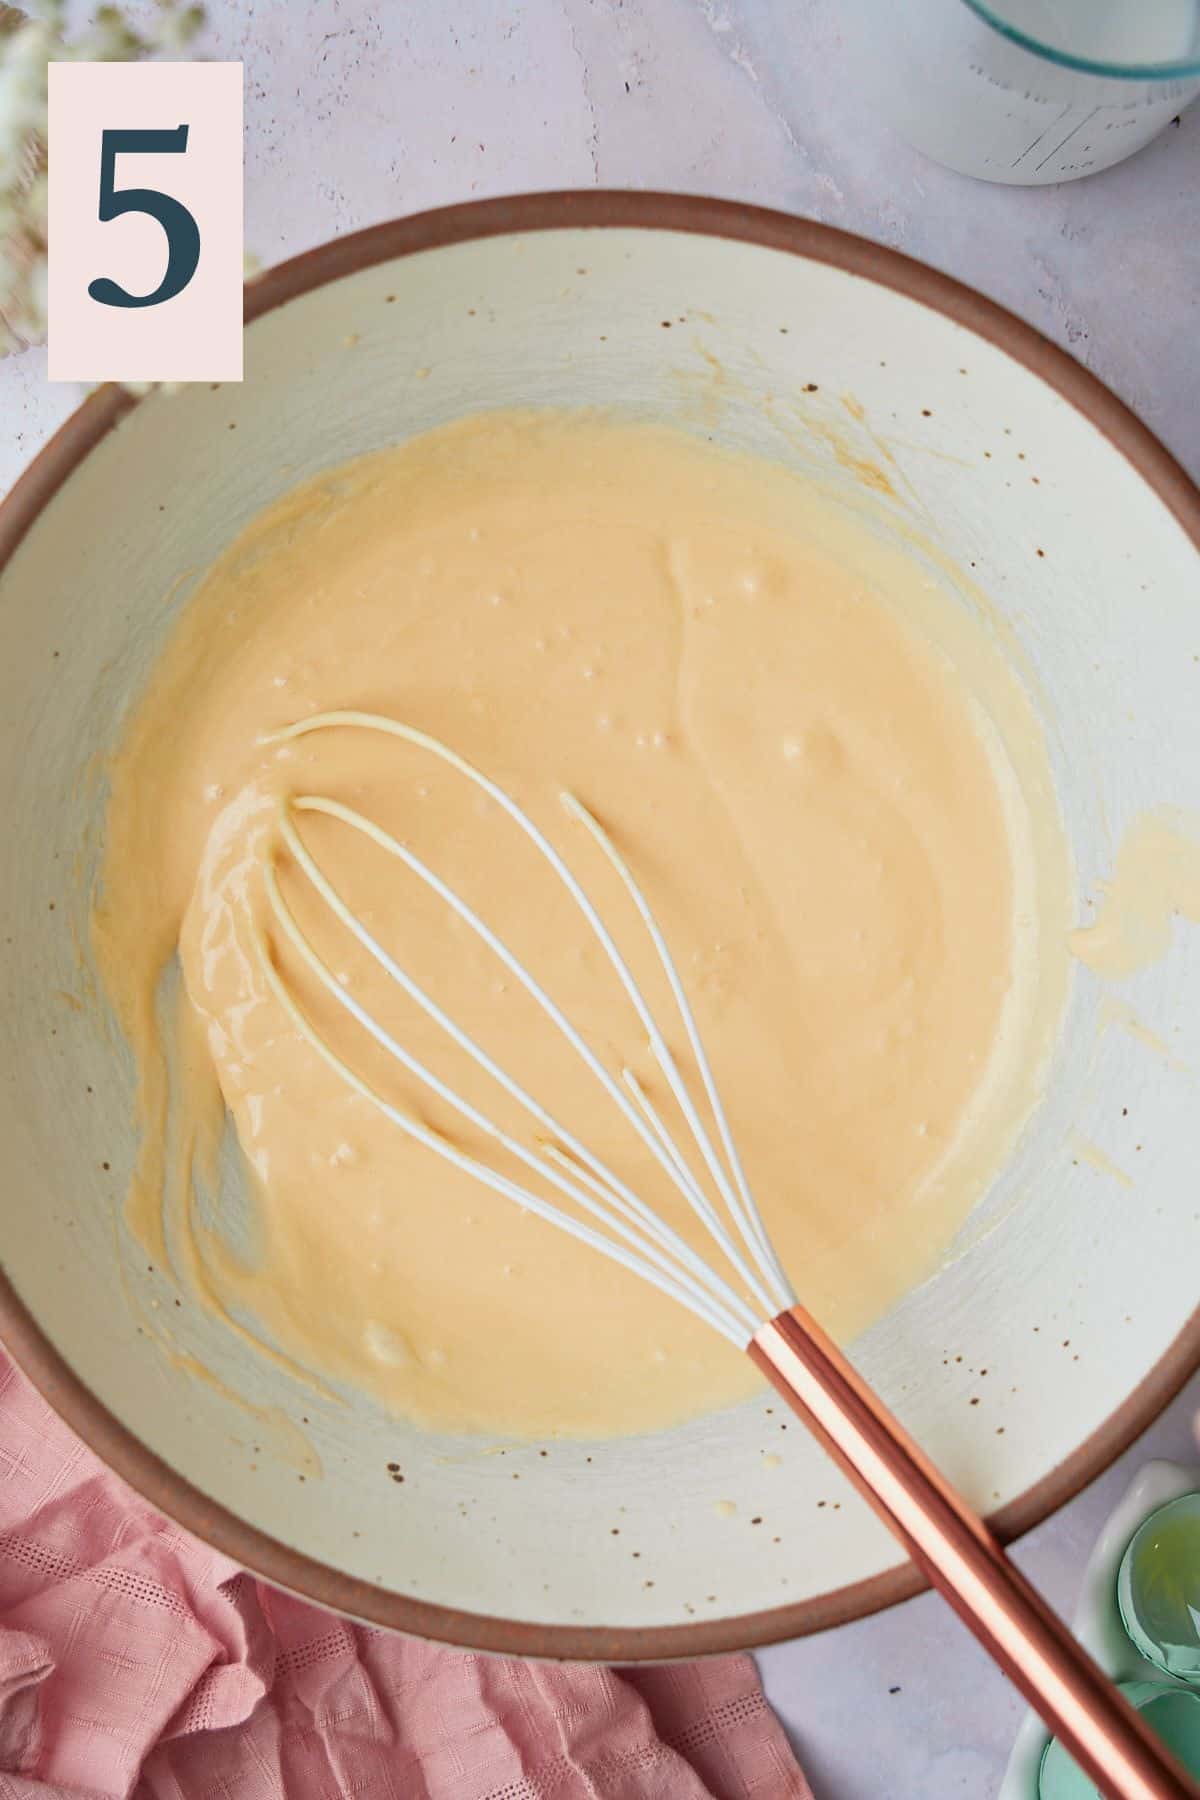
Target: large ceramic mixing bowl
(1065,1311)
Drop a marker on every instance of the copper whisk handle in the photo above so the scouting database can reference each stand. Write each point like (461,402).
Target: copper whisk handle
(954,1548)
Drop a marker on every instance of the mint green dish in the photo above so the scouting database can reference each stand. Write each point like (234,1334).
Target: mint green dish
(1158,1589)
(1172,1713)
(1097,1619)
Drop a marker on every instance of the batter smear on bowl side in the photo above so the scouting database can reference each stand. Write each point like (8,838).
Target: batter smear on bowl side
(832,789)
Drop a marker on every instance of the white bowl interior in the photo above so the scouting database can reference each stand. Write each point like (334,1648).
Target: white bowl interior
(1079,1282)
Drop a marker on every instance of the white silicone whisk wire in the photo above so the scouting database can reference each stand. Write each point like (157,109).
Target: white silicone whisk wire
(635,1236)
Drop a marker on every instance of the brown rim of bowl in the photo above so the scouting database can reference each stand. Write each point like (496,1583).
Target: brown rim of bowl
(41,1362)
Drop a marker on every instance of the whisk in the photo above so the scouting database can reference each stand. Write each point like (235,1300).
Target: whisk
(948,1541)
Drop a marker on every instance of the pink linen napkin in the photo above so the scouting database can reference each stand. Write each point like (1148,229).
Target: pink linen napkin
(134,1661)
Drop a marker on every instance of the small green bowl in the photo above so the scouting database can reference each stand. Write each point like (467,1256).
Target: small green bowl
(1158,1589)
(1172,1713)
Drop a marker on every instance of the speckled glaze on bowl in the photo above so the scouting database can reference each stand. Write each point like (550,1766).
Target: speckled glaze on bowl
(1065,1320)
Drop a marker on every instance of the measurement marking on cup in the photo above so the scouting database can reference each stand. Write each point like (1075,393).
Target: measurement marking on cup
(1057,120)
(1069,136)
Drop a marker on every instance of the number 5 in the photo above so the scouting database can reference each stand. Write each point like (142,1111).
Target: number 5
(182,232)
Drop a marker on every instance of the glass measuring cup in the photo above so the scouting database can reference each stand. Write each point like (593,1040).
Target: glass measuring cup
(1033,91)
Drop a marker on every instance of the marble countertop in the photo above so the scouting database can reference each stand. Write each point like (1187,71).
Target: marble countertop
(357,112)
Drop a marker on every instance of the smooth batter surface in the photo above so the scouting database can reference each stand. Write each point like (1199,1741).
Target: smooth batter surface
(818,767)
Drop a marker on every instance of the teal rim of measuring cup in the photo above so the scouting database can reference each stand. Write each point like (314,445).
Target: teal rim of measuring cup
(1158,71)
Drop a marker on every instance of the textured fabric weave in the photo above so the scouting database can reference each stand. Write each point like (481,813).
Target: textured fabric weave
(135,1661)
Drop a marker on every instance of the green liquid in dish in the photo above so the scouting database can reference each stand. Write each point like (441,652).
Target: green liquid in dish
(1158,1589)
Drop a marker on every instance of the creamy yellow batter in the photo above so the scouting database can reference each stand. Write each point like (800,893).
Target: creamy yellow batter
(1156,878)
(821,771)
